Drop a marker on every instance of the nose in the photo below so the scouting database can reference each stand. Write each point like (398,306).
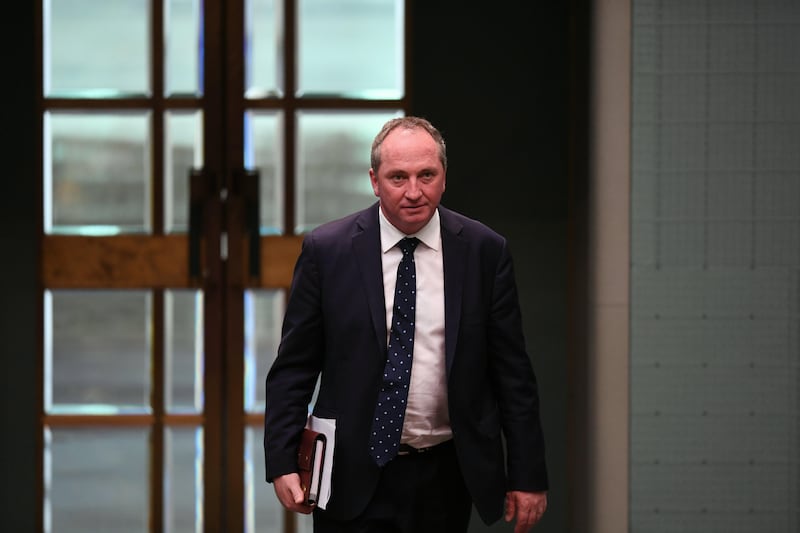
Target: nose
(413,192)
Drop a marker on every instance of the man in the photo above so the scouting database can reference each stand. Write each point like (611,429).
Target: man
(471,390)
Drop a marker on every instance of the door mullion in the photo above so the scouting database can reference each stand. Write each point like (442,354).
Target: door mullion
(157,447)
(233,414)
(213,274)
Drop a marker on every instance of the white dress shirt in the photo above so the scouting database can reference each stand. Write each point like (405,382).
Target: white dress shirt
(427,422)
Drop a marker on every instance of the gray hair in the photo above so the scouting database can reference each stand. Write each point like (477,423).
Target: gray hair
(409,123)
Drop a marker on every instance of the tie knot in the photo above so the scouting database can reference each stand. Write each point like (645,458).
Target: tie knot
(408,244)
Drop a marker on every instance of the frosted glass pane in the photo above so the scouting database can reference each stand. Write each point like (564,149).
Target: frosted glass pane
(262,510)
(97,48)
(183,480)
(351,48)
(183,150)
(183,351)
(96,480)
(263,315)
(97,172)
(184,47)
(262,45)
(97,351)
(333,164)
(264,151)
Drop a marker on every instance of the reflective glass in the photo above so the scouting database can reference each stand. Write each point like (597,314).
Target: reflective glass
(264,150)
(183,351)
(262,510)
(97,172)
(183,480)
(351,48)
(97,351)
(263,44)
(333,164)
(183,47)
(183,150)
(263,315)
(96,479)
(96,48)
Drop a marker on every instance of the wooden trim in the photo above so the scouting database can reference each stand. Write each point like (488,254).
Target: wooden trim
(143,419)
(120,261)
(149,261)
(278,256)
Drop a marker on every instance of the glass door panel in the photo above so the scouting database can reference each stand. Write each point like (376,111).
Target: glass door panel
(264,36)
(97,172)
(97,348)
(183,479)
(263,132)
(96,48)
(183,351)
(350,48)
(153,372)
(183,47)
(94,480)
(183,149)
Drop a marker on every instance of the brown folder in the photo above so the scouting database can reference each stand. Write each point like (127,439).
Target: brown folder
(310,461)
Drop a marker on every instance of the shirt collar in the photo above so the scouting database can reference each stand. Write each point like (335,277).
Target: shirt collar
(430,234)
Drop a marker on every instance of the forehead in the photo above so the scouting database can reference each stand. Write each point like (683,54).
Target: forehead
(408,145)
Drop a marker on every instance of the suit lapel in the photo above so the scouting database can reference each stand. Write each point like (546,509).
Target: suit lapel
(367,248)
(454,254)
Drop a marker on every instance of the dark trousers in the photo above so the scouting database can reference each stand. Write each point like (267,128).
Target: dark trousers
(417,493)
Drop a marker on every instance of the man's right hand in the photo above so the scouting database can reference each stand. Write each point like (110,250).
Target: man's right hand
(290,494)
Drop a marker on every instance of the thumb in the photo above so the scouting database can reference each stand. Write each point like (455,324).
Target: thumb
(510,508)
(297,493)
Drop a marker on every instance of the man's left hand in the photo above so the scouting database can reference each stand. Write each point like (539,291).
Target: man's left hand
(527,507)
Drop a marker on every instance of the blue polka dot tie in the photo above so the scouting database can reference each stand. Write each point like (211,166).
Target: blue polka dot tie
(387,425)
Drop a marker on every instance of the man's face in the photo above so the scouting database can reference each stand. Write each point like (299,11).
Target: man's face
(410,181)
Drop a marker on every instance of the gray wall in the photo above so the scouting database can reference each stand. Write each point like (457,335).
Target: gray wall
(715,253)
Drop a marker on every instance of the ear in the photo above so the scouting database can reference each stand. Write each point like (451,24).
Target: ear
(373,178)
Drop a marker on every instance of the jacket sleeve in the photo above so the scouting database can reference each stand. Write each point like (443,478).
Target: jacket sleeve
(293,375)
(515,383)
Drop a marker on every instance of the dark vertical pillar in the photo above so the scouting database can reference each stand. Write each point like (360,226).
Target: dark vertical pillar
(18,276)
(496,80)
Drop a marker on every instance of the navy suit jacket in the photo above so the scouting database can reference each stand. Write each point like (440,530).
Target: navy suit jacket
(335,327)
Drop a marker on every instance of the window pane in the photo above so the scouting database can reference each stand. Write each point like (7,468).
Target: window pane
(97,172)
(263,315)
(97,351)
(333,164)
(264,151)
(183,151)
(183,47)
(351,48)
(183,351)
(96,48)
(183,479)
(262,46)
(96,480)
(263,511)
